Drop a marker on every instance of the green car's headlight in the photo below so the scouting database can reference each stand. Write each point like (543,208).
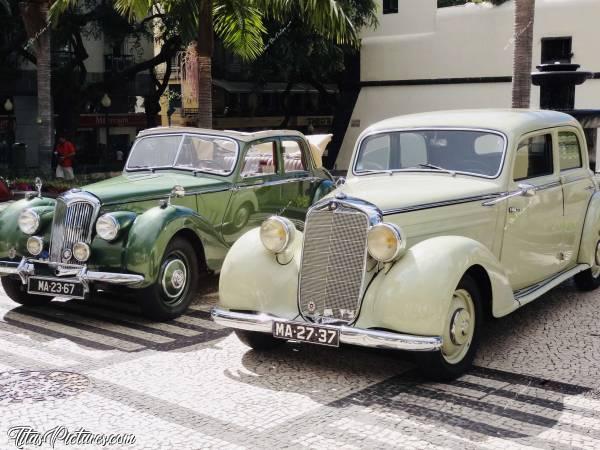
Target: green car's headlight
(276,233)
(29,221)
(385,242)
(107,227)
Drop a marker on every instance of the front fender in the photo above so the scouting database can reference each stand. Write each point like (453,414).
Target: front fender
(252,279)
(152,231)
(414,296)
(10,234)
(591,232)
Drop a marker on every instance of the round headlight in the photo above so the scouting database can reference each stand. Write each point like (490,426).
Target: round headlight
(29,221)
(107,227)
(385,242)
(81,251)
(276,233)
(35,245)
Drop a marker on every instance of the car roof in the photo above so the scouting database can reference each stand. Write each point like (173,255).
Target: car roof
(239,135)
(508,121)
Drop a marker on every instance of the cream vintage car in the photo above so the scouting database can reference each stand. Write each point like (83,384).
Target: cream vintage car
(446,220)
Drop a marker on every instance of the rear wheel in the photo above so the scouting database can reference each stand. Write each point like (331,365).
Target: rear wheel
(177,283)
(589,279)
(258,341)
(461,335)
(17,291)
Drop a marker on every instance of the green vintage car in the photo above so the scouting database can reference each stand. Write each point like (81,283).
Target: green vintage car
(184,197)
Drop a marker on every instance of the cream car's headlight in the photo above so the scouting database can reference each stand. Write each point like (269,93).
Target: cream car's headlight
(385,242)
(29,221)
(276,233)
(107,227)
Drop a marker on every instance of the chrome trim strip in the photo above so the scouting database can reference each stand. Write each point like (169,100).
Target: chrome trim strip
(391,130)
(456,201)
(162,197)
(263,323)
(530,293)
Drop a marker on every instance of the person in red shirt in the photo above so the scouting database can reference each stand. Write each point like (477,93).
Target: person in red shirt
(65,151)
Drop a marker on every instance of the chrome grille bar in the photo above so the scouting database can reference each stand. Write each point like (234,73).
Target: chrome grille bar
(73,220)
(333,263)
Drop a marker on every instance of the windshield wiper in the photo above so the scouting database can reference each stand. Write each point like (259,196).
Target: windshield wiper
(441,169)
(139,168)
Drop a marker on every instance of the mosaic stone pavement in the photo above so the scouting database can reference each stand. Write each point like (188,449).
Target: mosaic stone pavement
(189,384)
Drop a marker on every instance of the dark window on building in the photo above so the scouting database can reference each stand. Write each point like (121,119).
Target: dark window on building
(557,49)
(390,6)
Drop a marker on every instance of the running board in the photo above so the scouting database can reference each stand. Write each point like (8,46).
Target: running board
(530,293)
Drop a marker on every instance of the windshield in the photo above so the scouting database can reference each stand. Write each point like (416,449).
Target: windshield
(472,152)
(200,153)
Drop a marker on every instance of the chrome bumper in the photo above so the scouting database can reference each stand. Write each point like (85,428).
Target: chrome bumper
(263,323)
(26,269)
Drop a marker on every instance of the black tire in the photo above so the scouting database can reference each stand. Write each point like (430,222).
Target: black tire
(433,365)
(586,281)
(166,300)
(17,291)
(258,341)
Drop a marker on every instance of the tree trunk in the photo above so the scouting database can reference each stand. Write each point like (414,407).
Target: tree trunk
(522,58)
(35,19)
(204,48)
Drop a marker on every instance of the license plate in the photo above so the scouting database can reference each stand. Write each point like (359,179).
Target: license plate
(54,286)
(307,333)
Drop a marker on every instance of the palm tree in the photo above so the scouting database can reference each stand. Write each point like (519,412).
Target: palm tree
(239,24)
(35,20)
(522,57)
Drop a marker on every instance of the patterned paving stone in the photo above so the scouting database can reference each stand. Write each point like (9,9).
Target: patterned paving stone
(189,384)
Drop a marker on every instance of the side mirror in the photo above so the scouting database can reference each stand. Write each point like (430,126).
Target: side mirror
(527,190)
(178,191)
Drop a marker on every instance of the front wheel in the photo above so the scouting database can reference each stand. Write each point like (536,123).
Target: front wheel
(258,341)
(17,291)
(176,285)
(461,335)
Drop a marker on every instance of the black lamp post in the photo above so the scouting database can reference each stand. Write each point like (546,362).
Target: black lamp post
(106,102)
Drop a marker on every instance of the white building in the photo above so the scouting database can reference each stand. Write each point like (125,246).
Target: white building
(422,58)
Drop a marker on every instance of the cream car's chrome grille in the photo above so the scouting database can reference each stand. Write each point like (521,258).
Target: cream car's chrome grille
(333,263)
(73,221)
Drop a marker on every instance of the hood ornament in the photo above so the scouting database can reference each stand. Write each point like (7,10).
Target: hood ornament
(340,195)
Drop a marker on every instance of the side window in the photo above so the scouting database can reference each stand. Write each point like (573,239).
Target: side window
(259,159)
(294,159)
(534,157)
(569,150)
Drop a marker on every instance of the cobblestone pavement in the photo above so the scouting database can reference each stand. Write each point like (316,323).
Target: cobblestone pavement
(190,384)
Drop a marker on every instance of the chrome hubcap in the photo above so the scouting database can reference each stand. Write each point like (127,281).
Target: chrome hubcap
(174,278)
(460,327)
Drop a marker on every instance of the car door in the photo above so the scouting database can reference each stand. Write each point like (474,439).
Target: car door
(531,249)
(300,184)
(257,189)
(577,185)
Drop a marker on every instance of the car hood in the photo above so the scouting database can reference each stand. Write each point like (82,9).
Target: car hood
(138,186)
(405,190)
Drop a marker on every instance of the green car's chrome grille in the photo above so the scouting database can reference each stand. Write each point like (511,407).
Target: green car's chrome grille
(333,264)
(72,223)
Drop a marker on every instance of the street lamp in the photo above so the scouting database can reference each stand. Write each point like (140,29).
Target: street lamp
(8,106)
(105,101)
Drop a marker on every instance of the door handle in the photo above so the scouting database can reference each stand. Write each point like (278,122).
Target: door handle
(590,188)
